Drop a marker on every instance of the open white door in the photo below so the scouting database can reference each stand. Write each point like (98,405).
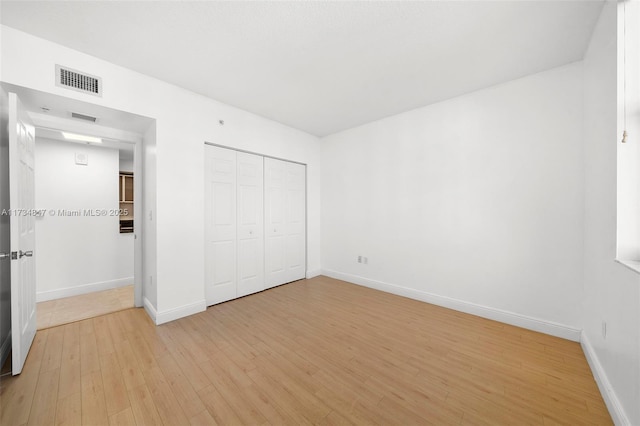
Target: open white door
(22,224)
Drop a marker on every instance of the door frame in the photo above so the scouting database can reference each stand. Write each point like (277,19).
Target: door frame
(306,194)
(255,153)
(137,138)
(138,253)
(58,124)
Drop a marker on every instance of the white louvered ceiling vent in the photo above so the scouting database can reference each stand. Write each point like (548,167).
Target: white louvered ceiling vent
(83,117)
(76,80)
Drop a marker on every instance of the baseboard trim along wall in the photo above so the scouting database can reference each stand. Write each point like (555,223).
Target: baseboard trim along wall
(176,313)
(43,296)
(614,406)
(151,311)
(314,273)
(511,318)
(5,349)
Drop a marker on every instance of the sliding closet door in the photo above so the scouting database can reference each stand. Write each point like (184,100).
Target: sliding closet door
(285,232)
(220,226)
(250,224)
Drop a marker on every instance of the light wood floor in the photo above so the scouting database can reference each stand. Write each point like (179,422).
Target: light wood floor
(317,351)
(63,311)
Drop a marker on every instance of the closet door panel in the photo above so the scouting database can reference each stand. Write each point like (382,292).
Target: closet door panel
(250,190)
(223,215)
(295,258)
(275,221)
(222,255)
(220,225)
(295,222)
(275,261)
(255,223)
(285,221)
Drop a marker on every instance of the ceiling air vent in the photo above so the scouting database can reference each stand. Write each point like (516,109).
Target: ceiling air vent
(75,80)
(83,117)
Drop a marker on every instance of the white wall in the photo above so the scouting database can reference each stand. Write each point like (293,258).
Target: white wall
(184,121)
(126,165)
(76,255)
(611,291)
(473,201)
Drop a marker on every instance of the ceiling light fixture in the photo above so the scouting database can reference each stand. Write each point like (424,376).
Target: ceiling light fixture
(81,138)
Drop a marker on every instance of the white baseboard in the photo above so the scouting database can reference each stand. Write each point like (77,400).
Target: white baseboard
(616,411)
(512,318)
(43,296)
(151,311)
(177,313)
(5,349)
(314,273)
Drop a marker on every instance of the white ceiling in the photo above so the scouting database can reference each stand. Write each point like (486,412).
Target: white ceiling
(322,66)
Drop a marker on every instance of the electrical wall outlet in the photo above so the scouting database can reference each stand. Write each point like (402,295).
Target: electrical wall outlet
(359,259)
(604,329)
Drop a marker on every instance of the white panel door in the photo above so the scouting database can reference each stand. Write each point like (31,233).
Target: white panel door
(22,228)
(220,226)
(274,222)
(250,192)
(285,246)
(295,221)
